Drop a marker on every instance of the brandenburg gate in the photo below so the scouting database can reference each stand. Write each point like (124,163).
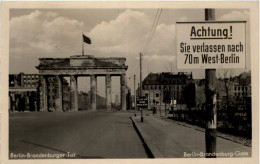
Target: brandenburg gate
(78,66)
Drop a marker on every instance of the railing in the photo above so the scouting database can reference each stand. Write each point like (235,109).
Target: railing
(233,121)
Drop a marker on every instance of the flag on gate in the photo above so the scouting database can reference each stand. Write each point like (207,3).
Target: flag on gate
(86,39)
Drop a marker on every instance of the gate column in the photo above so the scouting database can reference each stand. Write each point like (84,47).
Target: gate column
(93,91)
(74,93)
(108,92)
(43,93)
(59,95)
(123,92)
(27,101)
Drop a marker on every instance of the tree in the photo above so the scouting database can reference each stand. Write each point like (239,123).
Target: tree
(167,96)
(225,85)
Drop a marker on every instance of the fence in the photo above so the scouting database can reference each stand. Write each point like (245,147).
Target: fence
(233,121)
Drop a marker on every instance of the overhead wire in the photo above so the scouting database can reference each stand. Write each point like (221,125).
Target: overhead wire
(156,20)
(151,30)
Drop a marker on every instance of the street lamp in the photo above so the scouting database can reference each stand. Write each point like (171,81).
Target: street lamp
(134,94)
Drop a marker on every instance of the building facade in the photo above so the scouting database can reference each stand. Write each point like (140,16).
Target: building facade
(165,87)
(233,91)
(23,92)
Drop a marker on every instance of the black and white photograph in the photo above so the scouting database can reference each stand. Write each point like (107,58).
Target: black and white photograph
(130,83)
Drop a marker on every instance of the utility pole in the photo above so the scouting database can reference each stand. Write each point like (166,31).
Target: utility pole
(160,99)
(135,95)
(139,90)
(82,44)
(141,74)
(142,120)
(211,109)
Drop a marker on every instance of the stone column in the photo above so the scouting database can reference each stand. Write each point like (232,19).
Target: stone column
(12,101)
(22,102)
(27,101)
(45,81)
(123,92)
(93,91)
(74,93)
(43,93)
(59,98)
(16,101)
(108,92)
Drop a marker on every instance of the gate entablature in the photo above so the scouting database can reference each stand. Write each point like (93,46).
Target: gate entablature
(82,65)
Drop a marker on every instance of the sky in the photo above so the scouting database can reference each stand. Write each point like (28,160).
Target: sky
(39,33)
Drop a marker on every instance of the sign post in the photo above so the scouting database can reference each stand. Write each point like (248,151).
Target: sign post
(135,95)
(211,45)
(142,102)
(141,86)
(211,99)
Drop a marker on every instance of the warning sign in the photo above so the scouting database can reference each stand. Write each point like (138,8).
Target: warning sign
(205,45)
(141,102)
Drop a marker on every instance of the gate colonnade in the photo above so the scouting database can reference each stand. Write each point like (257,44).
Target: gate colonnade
(79,66)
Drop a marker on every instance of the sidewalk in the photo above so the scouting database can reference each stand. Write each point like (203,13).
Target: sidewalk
(167,139)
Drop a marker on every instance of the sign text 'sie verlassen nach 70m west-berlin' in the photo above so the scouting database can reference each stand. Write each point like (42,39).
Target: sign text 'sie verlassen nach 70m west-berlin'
(209,45)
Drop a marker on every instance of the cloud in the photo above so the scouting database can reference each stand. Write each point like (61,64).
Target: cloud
(46,34)
(127,35)
(42,34)
(236,16)
(182,19)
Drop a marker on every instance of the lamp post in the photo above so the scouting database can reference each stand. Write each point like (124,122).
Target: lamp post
(134,94)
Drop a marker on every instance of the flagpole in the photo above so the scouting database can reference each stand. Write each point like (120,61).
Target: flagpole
(82,45)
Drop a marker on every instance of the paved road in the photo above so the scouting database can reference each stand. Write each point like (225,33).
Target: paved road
(88,134)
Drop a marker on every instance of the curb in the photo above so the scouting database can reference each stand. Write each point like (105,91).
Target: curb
(150,149)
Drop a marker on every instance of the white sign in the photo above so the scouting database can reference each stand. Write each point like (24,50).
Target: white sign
(209,45)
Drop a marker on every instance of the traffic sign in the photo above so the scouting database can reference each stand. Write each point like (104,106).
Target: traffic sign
(142,102)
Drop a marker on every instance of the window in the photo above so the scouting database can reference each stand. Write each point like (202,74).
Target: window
(159,87)
(235,88)
(155,87)
(151,87)
(157,94)
(146,95)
